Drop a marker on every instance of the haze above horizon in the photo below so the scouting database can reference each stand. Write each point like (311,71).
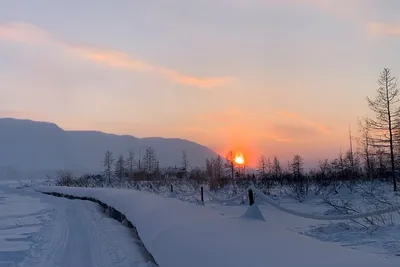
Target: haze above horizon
(263,77)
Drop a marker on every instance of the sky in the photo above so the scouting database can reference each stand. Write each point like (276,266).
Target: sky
(271,77)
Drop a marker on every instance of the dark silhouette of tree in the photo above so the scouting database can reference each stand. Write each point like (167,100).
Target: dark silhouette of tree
(215,171)
(382,159)
(385,106)
(108,162)
(365,142)
(130,163)
(300,187)
(185,161)
(219,167)
(276,168)
(120,168)
(297,167)
(262,166)
(150,160)
(230,164)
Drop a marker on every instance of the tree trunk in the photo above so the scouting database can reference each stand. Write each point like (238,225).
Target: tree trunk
(391,138)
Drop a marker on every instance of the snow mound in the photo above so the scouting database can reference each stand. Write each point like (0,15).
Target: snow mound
(253,212)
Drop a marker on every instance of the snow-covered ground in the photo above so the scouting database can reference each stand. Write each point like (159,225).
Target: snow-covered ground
(179,233)
(383,239)
(40,230)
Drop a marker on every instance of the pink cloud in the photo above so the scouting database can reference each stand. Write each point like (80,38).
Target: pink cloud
(111,58)
(27,33)
(123,60)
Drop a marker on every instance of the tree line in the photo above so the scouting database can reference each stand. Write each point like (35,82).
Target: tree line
(141,168)
(377,155)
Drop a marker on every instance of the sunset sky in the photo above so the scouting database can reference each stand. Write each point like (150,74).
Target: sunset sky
(276,77)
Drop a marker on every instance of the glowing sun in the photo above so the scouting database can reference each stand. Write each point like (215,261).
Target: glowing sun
(239,158)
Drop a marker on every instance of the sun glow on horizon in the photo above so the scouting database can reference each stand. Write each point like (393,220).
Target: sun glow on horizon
(239,158)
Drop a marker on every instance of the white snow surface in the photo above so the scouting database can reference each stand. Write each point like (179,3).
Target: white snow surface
(45,231)
(180,234)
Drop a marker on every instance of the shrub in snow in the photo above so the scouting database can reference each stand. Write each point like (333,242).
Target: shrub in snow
(373,200)
(64,178)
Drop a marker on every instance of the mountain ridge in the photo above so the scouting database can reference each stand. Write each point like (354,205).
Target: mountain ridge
(32,146)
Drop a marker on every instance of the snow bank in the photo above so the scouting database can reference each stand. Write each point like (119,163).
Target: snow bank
(179,234)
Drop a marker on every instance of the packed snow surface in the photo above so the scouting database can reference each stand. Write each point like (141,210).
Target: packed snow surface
(45,231)
(181,234)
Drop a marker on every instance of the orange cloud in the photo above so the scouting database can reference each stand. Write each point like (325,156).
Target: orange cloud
(23,32)
(111,58)
(382,28)
(278,138)
(299,119)
(123,60)
(235,126)
(205,83)
(289,114)
(27,33)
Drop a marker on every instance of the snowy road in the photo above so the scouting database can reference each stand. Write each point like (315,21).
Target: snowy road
(45,231)
(181,234)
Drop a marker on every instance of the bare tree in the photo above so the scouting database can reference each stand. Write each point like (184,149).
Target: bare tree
(276,168)
(108,162)
(230,164)
(120,168)
(64,178)
(386,109)
(382,159)
(300,187)
(215,170)
(350,155)
(324,175)
(219,167)
(185,162)
(130,163)
(324,169)
(150,160)
(365,141)
(297,167)
(262,166)
(209,168)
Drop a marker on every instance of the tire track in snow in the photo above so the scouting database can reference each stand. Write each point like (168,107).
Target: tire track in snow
(81,235)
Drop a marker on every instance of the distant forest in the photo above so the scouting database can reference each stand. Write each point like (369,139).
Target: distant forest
(374,154)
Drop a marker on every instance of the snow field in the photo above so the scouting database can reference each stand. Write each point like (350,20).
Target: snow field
(178,234)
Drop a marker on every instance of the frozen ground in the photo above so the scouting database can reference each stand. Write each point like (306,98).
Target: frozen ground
(383,240)
(40,230)
(178,234)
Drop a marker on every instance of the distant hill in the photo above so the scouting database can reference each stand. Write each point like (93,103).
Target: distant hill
(35,147)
